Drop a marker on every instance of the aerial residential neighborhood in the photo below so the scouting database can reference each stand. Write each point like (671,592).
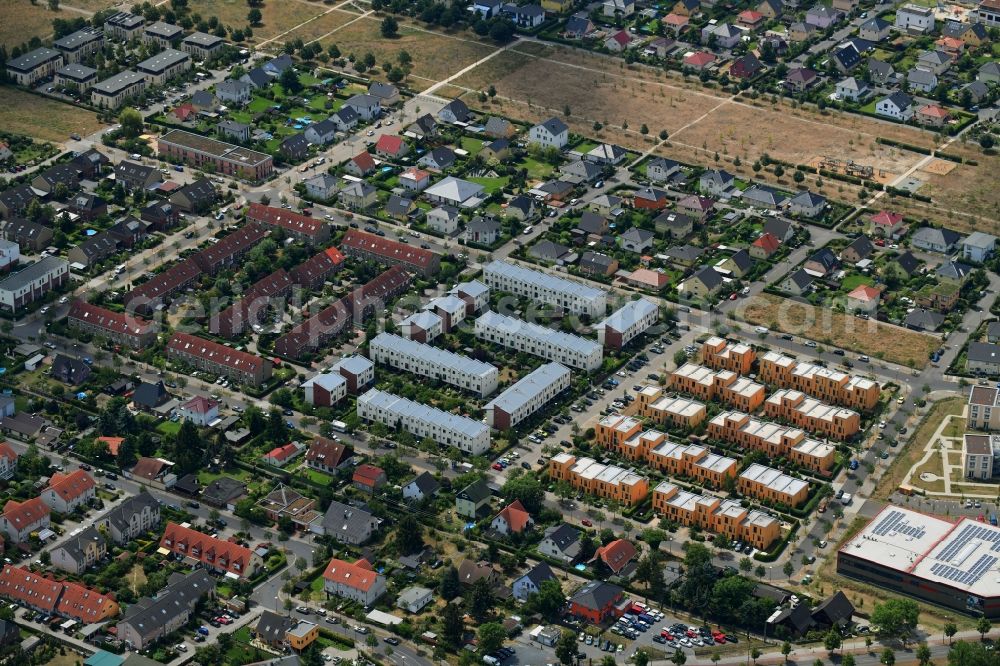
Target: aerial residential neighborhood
(494,333)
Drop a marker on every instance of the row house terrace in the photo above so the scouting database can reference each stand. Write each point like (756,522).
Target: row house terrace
(722,354)
(826,384)
(774,440)
(672,411)
(217,554)
(219,359)
(722,385)
(608,481)
(813,415)
(253,306)
(726,517)
(767,483)
(121,328)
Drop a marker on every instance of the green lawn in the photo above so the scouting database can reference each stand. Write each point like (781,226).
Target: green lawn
(586,146)
(472,146)
(537,170)
(491,184)
(852,282)
(169,427)
(258,104)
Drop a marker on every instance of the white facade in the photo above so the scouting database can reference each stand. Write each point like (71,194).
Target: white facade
(544,288)
(977,456)
(915,18)
(536,340)
(422,326)
(325,390)
(553,133)
(463,433)
(627,322)
(10,254)
(420,359)
(444,219)
(527,396)
(33,282)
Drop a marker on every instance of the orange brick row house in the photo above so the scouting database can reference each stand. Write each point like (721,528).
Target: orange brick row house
(776,441)
(46,595)
(216,554)
(766,483)
(671,411)
(720,385)
(826,384)
(607,481)
(726,517)
(813,415)
(722,354)
(624,435)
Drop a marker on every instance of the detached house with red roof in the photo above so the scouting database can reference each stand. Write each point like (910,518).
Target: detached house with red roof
(699,60)
(616,555)
(391,146)
(68,491)
(886,224)
(20,519)
(512,519)
(280,456)
(328,455)
(369,478)
(217,554)
(353,580)
(765,245)
(750,19)
(618,42)
(863,299)
(199,410)
(360,165)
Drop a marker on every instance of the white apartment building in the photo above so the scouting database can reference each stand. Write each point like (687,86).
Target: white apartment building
(423,326)
(113,91)
(545,288)
(461,432)
(571,350)
(441,364)
(527,396)
(627,322)
(325,389)
(914,18)
(977,455)
(32,283)
(984,408)
(164,66)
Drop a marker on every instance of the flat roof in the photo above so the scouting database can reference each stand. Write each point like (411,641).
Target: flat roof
(218,149)
(162,29)
(162,60)
(77,72)
(118,82)
(897,538)
(202,39)
(79,38)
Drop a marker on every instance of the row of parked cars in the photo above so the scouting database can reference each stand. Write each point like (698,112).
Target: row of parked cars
(681,635)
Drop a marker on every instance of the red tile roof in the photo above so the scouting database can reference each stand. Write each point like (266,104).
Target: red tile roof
(698,59)
(33,589)
(616,554)
(933,110)
(516,517)
(676,20)
(71,486)
(650,277)
(358,575)
(335,255)
(22,514)
(887,219)
(622,37)
(286,219)
(250,308)
(389,144)
(218,553)
(413,173)
(200,405)
(214,352)
(767,242)
(85,605)
(368,475)
(317,267)
(114,322)
(163,284)
(148,468)
(750,16)
(388,249)
(7,452)
(282,453)
(864,293)
(227,248)
(364,161)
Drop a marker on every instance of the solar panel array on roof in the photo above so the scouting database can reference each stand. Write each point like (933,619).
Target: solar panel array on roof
(969,577)
(895,521)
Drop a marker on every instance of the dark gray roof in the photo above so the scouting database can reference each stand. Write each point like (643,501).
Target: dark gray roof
(223,489)
(521,203)
(777,227)
(350,523)
(121,515)
(637,235)
(708,276)
(592,223)
(825,257)
(150,395)
(549,250)
(801,279)
(554,126)
(272,627)
(901,100)
(954,270)
(540,573)
(75,546)
(862,246)
(597,595)
(798,619)
(458,109)
(426,484)
(934,236)
(742,260)
(596,260)
(765,195)
(398,205)
(984,352)
(563,536)
(685,253)
(924,320)
(475,492)
(179,596)
(908,262)
(70,370)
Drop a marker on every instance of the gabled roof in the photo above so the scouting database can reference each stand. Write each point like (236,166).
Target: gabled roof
(516,517)
(861,246)
(475,492)
(357,575)
(148,468)
(425,483)
(563,536)
(71,486)
(616,555)
(368,475)
(390,143)
(864,292)
(596,595)
(23,514)
(834,609)
(540,573)
(328,451)
(767,242)
(554,126)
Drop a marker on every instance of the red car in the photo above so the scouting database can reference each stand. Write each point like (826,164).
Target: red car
(732,296)
(718,637)
(586,523)
(497,466)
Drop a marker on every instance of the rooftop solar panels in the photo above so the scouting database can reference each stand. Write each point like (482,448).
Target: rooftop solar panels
(962,576)
(895,521)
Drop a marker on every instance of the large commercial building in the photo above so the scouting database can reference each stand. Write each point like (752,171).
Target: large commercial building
(219,359)
(441,364)
(632,319)
(726,517)
(984,408)
(594,478)
(722,385)
(164,66)
(766,483)
(979,455)
(544,288)
(625,436)
(777,441)
(366,246)
(32,283)
(826,384)
(527,396)
(813,415)
(723,354)
(225,158)
(952,564)
(672,411)
(547,343)
(114,91)
(463,433)
(120,328)
(34,66)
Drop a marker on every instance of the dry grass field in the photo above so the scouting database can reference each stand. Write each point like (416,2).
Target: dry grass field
(32,115)
(968,189)
(321,26)
(435,56)
(20,21)
(826,326)
(278,17)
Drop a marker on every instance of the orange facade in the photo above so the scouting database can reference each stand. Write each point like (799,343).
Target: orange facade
(774,440)
(726,517)
(722,354)
(810,414)
(828,385)
(674,412)
(607,481)
(722,385)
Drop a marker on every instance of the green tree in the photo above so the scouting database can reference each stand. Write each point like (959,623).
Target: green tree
(848,660)
(786,649)
(409,536)
(566,649)
(131,123)
(481,600)
(608,661)
(832,641)
(789,568)
(548,601)
(896,618)
(755,654)
(640,658)
(923,654)
(950,629)
(452,625)
(254,17)
(526,488)
(746,564)
(389,28)
(888,657)
(290,82)
(491,636)
(679,657)
(449,585)
(983,626)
